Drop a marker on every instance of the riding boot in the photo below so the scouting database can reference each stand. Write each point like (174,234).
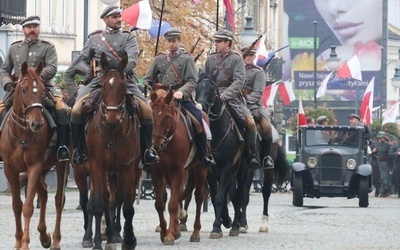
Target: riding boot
(63,142)
(205,159)
(266,147)
(78,130)
(94,97)
(149,155)
(252,160)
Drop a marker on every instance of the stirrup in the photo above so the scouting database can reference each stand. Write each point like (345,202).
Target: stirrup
(63,153)
(150,157)
(268,163)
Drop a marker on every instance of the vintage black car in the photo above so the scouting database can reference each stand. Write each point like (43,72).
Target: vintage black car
(331,162)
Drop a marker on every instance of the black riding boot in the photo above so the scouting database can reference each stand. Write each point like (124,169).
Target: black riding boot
(205,159)
(266,147)
(63,142)
(252,160)
(149,155)
(78,130)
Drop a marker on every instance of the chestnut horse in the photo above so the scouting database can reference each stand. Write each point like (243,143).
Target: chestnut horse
(172,142)
(25,146)
(113,152)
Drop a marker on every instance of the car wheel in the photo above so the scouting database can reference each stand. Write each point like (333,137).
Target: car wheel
(363,192)
(297,189)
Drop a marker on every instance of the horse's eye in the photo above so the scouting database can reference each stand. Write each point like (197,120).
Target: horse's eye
(23,90)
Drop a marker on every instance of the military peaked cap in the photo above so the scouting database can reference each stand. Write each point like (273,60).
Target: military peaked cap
(172,33)
(381,134)
(321,119)
(354,116)
(251,52)
(110,10)
(30,20)
(223,35)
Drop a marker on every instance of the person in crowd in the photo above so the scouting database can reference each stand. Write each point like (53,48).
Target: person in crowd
(394,154)
(33,50)
(175,70)
(380,151)
(114,43)
(310,120)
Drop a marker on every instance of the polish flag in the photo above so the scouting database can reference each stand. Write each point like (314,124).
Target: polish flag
(324,86)
(267,99)
(367,103)
(350,69)
(139,15)
(390,116)
(301,116)
(230,14)
(262,54)
(286,92)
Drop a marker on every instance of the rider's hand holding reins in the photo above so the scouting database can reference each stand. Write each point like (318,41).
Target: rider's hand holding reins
(178,95)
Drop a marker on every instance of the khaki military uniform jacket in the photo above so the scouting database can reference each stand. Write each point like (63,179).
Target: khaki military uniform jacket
(32,53)
(254,86)
(229,75)
(171,70)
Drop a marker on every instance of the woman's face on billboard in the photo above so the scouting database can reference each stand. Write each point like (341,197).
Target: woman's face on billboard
(353,20)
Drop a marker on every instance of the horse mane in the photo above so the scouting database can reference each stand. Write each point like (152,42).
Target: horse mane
(160,96)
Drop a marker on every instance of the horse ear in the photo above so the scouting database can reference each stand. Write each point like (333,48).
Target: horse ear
(24,68)
(124,60)
(39,68)
(103,60)
(169,96)
(153,97)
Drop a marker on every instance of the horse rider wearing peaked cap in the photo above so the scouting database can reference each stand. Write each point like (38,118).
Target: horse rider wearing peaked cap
(172,33)
(114,43)
(33,50)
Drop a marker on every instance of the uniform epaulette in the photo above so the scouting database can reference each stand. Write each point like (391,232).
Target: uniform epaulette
(45,41)
(16,42)
(95,32)
(215,52)
(237,53)
(127,31)
(161,53)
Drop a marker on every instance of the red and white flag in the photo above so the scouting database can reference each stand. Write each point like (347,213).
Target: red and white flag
(350,69)
(323,86)
(138,15)
(267,99)
(367,103)
(286,91)
(230,14)
(301,116)
(390,115)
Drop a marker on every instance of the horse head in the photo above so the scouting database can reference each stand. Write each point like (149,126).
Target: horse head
(113,83)
(28,97)
(207,95)
(165,116)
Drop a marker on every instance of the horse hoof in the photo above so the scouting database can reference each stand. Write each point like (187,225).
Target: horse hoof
(195,238)
(234,232)
(216,235)
(48,243)
(87,243)
(183,227)
(242,230)
(124,246)
(263,230)
(169,241)
(158,229)
(111,246)
(55,248)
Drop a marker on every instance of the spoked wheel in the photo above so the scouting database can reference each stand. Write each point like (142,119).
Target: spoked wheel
(363,192)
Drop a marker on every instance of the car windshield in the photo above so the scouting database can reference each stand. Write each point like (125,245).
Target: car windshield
(347,138)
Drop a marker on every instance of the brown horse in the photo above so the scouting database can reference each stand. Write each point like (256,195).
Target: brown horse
(113,153)
(171,140)
(25,145)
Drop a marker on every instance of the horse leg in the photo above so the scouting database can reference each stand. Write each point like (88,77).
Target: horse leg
(238,199)
(34,173)
(246,199)
(62,176)
(200,178)
(266,192)
(159,189)
(45,238)
(129,242)
(14,184)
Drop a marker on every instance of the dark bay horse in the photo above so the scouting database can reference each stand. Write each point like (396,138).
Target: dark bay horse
(113,152)
(227,180)
(25,147)
(172,142)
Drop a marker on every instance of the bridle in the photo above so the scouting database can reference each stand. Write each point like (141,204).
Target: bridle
(209,106)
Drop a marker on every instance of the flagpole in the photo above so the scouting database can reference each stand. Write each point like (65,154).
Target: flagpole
(159,28)
(216,26)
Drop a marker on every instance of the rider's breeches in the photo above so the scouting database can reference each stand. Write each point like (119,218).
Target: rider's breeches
(265,128)
(194,114)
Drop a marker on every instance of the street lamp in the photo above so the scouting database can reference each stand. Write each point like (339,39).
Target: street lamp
(333,62)
(248,35)
(395,81)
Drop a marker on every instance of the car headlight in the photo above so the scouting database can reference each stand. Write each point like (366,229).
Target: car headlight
(351,164)
(312,162)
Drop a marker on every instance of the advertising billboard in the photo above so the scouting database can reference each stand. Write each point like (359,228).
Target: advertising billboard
(354,27)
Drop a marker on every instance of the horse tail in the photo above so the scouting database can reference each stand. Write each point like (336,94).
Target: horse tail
(281,166)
